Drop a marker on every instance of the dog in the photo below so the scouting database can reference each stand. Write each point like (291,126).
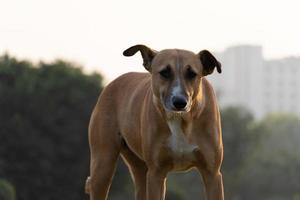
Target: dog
(162,121)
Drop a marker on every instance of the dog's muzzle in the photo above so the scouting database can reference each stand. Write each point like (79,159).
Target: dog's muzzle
(179,103)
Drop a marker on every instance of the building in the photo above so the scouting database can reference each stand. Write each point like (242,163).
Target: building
(263,86)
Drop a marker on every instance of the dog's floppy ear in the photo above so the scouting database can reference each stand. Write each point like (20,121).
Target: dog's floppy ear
(209,62)
(147,54)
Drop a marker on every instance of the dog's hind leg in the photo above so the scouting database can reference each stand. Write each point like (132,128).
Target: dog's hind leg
(138,171)
(105,145)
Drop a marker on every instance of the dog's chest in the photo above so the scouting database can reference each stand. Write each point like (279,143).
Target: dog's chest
(182,150)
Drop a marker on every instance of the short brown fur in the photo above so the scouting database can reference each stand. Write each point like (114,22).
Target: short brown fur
(132,119)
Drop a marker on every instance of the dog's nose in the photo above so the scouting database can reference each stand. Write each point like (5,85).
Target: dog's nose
(179,102)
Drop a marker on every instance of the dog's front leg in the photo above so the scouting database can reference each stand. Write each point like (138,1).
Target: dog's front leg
(156,185)
(213,184)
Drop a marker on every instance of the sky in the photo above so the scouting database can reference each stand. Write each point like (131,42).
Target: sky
(95,33)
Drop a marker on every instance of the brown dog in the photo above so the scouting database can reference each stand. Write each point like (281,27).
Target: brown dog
(161,121)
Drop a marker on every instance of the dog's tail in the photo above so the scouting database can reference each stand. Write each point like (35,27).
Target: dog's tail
(87,185)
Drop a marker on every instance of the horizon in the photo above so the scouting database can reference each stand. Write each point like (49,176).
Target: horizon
(137,68)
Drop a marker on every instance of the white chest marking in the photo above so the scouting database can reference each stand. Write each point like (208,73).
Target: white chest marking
(178,141)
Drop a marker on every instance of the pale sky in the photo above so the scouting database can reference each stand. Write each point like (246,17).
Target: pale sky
(95,33)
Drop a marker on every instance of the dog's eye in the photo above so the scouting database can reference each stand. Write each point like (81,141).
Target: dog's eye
(190,74)
(166,72)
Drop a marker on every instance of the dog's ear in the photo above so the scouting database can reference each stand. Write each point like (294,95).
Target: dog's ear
(147,54)
(209,62)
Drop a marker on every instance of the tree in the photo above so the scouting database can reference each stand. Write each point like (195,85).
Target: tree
(45,110)
(239,139)
(272,171)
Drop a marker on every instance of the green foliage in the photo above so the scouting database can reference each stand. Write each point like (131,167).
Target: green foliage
(238,139)
(261,157)
(45,109)
(7,191)
(237,133)
(273,168)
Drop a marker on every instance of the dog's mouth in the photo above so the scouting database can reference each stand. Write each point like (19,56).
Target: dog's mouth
(171,114)
(178,112)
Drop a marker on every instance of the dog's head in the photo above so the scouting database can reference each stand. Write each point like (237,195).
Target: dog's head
(176,74)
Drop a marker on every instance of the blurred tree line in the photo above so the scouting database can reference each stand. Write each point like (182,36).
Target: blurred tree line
(44,115)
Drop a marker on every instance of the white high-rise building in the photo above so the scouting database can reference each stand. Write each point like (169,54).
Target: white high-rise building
(261,86)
